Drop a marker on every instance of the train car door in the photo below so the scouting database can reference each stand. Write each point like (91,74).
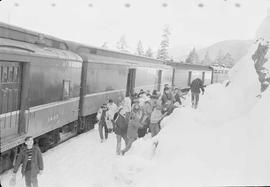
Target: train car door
(159,80)
(10,94)
(131,82)
(203,77)
(189,77)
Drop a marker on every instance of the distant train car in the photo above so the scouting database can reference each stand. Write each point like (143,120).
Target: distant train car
(108,74)
(184,74)
(220,73)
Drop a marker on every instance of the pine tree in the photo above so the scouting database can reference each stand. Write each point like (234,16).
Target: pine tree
(164,45)
(219,57)
(140,48)
(149,52)
(193,57)
(228,60)
(105,45)
(207,60)
(122,44)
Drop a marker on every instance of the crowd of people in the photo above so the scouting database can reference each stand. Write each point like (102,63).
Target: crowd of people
(128,117)
(135,116)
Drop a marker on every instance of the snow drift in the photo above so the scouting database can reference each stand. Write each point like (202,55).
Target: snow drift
(225,142)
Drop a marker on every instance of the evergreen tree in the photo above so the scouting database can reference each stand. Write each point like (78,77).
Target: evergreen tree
(105,45)
(193,57)
(219,57)
(140,48)
(149,52)
(207,60)
(164,45)
(122,44)
(228,60)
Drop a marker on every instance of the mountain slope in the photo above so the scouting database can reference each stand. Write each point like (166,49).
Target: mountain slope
(237,49)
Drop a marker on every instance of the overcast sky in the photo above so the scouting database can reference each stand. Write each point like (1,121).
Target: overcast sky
(97,21)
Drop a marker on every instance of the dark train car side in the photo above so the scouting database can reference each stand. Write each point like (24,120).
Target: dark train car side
(39,90)
(108,74)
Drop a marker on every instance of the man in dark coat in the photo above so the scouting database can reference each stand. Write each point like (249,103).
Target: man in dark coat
(32,163)
(167,100)
(195,87)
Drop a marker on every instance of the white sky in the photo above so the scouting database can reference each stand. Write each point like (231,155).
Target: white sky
(107,20)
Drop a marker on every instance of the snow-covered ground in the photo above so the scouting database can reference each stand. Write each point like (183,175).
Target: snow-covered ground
(224,142)
(74,163)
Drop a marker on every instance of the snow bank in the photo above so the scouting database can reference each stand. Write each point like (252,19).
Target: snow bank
(225,142)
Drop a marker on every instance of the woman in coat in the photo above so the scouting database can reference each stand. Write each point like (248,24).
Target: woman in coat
(134,123)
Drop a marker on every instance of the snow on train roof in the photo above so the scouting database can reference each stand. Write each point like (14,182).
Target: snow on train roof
(100,55)
(16,47)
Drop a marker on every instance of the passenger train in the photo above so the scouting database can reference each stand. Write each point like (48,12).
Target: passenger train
(51,88)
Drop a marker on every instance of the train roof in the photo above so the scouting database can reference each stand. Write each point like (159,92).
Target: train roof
(24,35)
(100,55)
(189,66)
(9,46)
(25,38)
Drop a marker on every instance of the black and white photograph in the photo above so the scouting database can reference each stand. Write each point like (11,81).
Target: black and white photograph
(134,93)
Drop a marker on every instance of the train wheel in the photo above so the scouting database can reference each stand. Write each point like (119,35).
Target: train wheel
(7,160)
(81,127)
(44,143)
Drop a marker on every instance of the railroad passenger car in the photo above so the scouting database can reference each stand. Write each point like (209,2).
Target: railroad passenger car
(184,74)
(108,74)
(220,73)
(39,89)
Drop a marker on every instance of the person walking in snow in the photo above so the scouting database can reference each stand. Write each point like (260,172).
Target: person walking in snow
(101,117)
(167,101)
(134,124)
(120,122)
(155,118)
(112,109)
(147,109)
(32,163)
(195,87)
(177,96)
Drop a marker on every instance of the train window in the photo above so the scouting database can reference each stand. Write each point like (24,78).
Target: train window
(0,74)
(4,74)
(10,74)
(15,74)
(66,89)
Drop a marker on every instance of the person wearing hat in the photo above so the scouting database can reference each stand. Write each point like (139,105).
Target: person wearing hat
(134,124)
(112,109)
(155,118)
(195,87)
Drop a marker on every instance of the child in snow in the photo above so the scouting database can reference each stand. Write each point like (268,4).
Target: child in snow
(32,163)
(155,119)
(101,117)
(134,124)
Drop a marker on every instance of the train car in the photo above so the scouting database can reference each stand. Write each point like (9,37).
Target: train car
(39,89)
(184,74)
(108,74)
(220,73)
